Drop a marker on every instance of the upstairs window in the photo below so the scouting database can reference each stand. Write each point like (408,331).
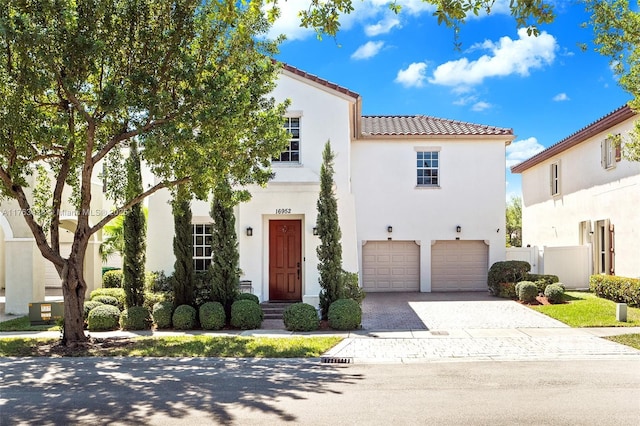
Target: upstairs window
(201,247)
(428,168)
(555,178)
(292,153)
(610,153)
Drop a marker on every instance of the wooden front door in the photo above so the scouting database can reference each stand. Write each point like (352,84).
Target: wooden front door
(285,260)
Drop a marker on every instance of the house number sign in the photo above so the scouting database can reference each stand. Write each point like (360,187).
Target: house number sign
(283,211)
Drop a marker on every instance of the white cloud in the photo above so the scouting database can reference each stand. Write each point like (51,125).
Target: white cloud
(367,50)
(506,57)
(561,97)
(413,76)
(383,26)
(480,106)
(522,150)
(289,22)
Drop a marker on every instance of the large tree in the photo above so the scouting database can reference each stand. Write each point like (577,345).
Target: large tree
(80,79)
(330,249)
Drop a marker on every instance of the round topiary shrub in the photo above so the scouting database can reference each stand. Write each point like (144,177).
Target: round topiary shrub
(107,300)
(301,317)
(554,293)
(527,291)
(246,315)
(89,305)
(344,314)
(161,313)
(118,293)
(184,317)
(248,296)
(103,318)
(135,318)
(112,279)
(212,316)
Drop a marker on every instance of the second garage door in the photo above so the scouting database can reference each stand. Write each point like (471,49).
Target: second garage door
(459,266)
(391,266)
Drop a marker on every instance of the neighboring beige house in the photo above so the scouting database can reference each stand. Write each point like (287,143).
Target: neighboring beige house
(421,200)
(582,192)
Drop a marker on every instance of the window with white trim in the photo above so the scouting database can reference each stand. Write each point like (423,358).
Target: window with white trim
(201,233)
(292,153)
(555,178)
(428,168)
(610,153)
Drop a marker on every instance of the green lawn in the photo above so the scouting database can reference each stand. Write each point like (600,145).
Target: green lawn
(587,310)
(23,324)
(632,340)
(179,346)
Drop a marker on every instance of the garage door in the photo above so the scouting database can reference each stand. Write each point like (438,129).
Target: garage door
(51,278)
(390,266)
(459,265)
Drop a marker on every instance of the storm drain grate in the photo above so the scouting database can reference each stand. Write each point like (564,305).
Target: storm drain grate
(336,360)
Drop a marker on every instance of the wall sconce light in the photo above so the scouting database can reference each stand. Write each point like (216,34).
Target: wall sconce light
(458,228)
(249,231)
(315,230)
(389,229)
(591,233)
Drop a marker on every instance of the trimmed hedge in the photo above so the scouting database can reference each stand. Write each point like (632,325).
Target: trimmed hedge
(618,289)
(301,317)
(89,305)
(246,315)
(103,318)
(112,279)
(107,300)
(502,277)
(118,293)
(527,291)
(344,314)
(248,296)
(212,316)
(351,288)
(542,280)
(135,318)
(150,299)
(162,313)
(554,293)
(184,317)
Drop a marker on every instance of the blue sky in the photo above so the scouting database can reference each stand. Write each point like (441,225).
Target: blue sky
(544,88)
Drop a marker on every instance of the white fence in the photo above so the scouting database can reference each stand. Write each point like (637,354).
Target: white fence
(572,264)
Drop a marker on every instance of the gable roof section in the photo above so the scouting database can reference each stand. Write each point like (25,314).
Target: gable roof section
(422,125)
(320,81)
(608,121)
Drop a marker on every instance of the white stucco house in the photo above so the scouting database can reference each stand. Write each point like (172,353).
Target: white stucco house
(421,200)
(582,192)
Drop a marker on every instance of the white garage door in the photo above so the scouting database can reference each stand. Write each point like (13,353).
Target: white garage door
(391,266)
(51,278)
(459,266)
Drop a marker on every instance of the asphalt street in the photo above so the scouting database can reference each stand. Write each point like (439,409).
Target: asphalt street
(137,391)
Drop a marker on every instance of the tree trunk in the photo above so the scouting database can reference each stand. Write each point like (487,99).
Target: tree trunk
(74,288)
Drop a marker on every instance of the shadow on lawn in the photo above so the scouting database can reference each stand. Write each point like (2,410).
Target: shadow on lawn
(101,391)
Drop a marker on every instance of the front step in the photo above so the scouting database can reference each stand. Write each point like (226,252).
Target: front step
(274,309)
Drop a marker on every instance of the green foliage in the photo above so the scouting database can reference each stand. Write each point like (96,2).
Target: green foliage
(113,238)
(554,293)
(212,316)
(184,317)
(248,296)
(618,289)
(103,318)
(224,271)
(527,291)
(89,305)
(513,232)
(246,315)
(182,278)
(542,280)
(158,282)
(112,279)
(506,272)
(301,317)
(330,249)
(107,300)
(345,314)
(135,318)
(162,313)
(118,293)
(135,234)
(150,299)
(351,288)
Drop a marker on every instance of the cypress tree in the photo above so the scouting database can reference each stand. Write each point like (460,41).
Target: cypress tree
(330,249)
(135,234)
(224,270)
(182,280)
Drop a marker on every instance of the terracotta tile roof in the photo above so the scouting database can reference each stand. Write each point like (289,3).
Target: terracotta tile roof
(422,125)
(608,121)
(320,81)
